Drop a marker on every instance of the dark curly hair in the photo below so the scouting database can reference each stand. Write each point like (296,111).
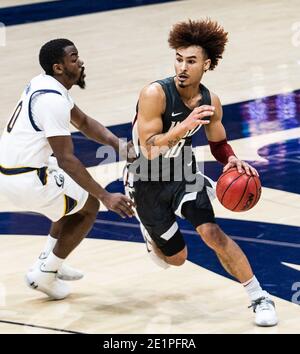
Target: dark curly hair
(52,53)
(206,33)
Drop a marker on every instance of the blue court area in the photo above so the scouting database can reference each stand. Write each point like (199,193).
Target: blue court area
(50,10)
(266,244)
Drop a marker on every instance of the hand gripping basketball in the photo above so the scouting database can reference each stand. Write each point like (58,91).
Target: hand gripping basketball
(238,191)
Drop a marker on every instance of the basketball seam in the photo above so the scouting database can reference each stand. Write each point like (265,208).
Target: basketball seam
(226,173)
(257,191)
(243,193)
(229,186)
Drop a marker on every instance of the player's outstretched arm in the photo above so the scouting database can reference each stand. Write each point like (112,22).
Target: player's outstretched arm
(62,147)
(94,130)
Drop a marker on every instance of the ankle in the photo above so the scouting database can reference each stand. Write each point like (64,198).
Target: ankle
(52,263)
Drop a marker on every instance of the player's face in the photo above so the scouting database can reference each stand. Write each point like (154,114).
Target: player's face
(73,67)
(190,65)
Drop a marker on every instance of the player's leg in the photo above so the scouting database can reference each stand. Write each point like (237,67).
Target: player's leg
(59,198)
(65,272)
(229,253)
(165,252)
(70,230)
(164,242)
(57,231)
(200,213)
(73,213)
(178,258)
(236,263)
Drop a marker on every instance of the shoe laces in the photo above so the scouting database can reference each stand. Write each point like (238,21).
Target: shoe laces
(262,304)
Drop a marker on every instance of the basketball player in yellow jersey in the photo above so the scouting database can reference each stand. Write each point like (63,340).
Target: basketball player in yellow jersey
(169,112)
(59,188)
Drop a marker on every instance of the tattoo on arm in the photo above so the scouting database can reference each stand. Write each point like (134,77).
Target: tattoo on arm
(151,141)
(173,142)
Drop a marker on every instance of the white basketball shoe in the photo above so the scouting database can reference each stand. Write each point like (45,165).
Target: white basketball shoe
(46,281)
(65,272)
(148,241)
(264,309)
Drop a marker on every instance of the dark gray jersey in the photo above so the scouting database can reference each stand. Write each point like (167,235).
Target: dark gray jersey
(178,162)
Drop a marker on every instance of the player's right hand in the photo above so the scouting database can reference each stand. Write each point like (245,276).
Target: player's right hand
(118,203)
(197,117)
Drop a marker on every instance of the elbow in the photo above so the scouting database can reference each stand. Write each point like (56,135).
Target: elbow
(66,163)
(62,163)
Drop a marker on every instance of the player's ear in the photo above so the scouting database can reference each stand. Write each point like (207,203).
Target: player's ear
(58,69)
(207,64)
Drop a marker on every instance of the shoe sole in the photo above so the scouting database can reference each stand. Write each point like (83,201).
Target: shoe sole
(267,324)
(31,284)
(69,278)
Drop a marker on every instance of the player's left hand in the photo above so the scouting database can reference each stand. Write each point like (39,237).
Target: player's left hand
(241,166)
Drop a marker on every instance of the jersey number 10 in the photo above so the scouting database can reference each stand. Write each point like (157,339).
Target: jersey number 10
(175,150)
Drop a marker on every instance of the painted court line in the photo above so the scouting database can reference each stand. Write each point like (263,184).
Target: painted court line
(189,232)
(40,327)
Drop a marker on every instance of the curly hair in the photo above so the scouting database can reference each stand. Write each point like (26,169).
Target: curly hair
(206,33)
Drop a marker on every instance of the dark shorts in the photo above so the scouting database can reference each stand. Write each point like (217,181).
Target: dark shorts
(158,204)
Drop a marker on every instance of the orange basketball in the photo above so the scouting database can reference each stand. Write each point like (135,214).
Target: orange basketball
(238,191)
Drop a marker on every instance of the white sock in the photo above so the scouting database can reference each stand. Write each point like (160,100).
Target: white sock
(254,289)
(50,243)
(52,263)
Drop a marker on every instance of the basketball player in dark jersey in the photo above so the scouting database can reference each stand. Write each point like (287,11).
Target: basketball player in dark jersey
(164,181)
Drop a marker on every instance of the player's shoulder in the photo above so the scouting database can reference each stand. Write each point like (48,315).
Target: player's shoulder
(215,100)
(52,98)
(153,90)
(152,98)
(52,102)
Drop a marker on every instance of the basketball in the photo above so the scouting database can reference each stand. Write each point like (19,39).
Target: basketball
(238,191)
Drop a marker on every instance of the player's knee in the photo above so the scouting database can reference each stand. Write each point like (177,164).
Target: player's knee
(178,259)
(91,207)
(96,205)
(213,236)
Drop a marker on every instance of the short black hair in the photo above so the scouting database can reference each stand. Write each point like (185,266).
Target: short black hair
(52,53)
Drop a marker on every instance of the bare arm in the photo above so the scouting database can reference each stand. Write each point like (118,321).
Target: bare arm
(215,132)
(62,147)
(94,130)
(152,103)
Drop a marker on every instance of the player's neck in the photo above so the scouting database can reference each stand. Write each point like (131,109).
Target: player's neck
(189,92)
(64,82)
